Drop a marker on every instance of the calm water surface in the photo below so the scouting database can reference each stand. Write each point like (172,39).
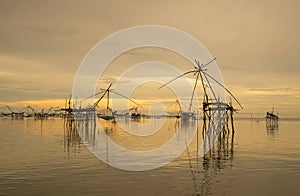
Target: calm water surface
(41,158)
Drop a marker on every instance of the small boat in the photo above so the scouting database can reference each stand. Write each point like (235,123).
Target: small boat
(105,117)
(108,114)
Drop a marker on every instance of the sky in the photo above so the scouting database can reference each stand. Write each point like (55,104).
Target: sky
(256,43)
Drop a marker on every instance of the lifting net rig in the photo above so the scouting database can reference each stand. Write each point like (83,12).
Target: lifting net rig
(216,113)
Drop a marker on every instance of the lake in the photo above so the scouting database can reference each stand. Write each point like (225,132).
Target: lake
(44,157)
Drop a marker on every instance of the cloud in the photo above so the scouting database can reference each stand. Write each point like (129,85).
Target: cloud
(23,78)
(256,43)
(274,89)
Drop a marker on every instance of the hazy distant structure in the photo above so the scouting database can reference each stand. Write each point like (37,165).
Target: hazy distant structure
(272,116)
(109,114)
(30,112)
(176,112)
(71,112)
(44,114)
(13,114)
(90,111)
(272,119)
(134,113)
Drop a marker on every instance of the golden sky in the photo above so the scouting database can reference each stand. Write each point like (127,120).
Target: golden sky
(42,44)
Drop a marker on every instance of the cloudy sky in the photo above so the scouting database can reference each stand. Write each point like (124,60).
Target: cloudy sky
(256,43)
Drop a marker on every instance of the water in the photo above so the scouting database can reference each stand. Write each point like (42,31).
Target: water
(39,158)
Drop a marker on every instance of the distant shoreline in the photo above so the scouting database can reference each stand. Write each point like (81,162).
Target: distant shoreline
(263,118)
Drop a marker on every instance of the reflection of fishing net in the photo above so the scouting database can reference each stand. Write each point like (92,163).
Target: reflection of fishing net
(215,125)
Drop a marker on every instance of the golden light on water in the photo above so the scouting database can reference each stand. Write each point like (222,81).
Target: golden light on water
(43,43)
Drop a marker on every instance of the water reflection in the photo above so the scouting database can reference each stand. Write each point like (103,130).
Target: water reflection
(272,128)
(204,170)
(72,139)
